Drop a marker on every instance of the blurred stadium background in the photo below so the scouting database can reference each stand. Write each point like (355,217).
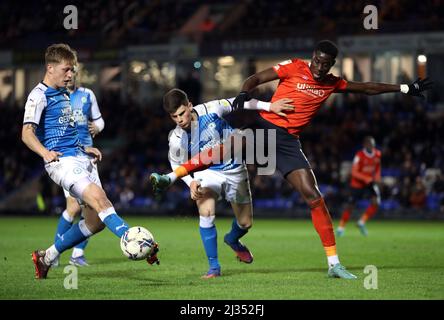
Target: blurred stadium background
(133,51)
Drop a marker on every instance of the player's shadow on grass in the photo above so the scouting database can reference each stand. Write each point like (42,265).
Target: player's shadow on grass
(400,267)
(231,272)
(115,260)
(130,275)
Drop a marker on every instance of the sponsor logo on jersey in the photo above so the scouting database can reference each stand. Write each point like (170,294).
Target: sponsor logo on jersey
(67,116)
(79,117)
(303,87)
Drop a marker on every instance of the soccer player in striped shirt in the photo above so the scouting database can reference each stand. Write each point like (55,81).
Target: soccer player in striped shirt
(89,123)
(50,131)
(198,128)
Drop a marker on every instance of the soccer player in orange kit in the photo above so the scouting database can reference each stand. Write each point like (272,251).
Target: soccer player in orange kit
(308,85)
(365,176)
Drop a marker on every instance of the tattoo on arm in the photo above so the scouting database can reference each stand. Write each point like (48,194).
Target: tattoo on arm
(31,126)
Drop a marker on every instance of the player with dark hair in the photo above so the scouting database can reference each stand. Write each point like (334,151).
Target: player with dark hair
(198,128)
(308,85)
(365,176)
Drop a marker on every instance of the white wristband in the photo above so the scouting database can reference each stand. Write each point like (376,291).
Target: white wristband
(263,105)
(404,88)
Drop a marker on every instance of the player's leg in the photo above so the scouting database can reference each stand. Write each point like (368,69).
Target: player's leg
(238,193)
(78,253)
(198,163)
(68,216)
(95,197)
(346,213)
(66,219)
(72,175)
(371,209)
(239,228)
(304,181)
(208,231)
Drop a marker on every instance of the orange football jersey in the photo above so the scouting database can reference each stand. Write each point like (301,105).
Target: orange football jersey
(365,166)
(297,83)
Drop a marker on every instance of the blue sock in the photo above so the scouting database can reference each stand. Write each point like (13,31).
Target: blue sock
(82,245)
(116,224)
(70,238)
(209,240)
(235,233)
(62,227)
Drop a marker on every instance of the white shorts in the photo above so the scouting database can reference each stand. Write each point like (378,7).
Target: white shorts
(73,174)
(233,184)
(94,175)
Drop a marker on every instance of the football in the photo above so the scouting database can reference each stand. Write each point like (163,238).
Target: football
(136,243)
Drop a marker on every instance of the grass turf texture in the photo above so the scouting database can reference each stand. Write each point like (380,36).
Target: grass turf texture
(289,263)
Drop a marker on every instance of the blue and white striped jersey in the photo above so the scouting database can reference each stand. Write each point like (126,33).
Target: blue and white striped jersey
(85,108)
(50,109)
(210,130)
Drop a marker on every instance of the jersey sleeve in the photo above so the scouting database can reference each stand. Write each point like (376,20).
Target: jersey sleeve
(285,68)
(220,107)
(177,154)
(35,104)
(95,111)
(341,84)
(223,107)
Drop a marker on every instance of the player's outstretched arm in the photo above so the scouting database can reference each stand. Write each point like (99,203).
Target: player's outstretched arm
(32,142)
(372,88)
(252,82)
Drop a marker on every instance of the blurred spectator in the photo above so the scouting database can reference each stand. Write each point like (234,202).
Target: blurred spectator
(417,197)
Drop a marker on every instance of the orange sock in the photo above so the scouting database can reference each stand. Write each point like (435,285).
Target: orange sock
(344,218)
(322,222)
(369,212)
(200,161)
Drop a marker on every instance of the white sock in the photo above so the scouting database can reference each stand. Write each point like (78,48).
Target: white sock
(206,222)
(67,217)
(77,252)
(341,228)
(361,222)
(332,260)
(51,254)
(173,177)
(105,213)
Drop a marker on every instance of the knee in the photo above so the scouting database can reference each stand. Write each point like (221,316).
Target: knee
(102,202)
(311,197)
(72,207)
(311,194)
(245,222)
(206,212)
(95,227)
(245,225)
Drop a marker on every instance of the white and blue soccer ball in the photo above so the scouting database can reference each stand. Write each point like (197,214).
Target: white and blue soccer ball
(137,243)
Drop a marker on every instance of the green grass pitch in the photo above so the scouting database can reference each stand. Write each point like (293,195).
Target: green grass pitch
(289,263)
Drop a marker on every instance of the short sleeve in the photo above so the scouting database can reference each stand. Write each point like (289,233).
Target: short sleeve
(220,107)
(95,111)
(341,84)
(284,68)
(35,104)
